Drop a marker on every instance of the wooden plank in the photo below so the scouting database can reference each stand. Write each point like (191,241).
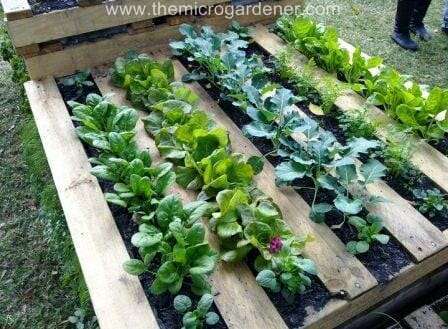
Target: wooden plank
(16,9)
(425,318)
(426,158)
(412,230)
(234,283)
(117,297)
(88,55)
(78,20)
(338,269)
(339,314)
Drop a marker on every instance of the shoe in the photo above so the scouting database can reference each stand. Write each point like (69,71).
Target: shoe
(421,32)
(404,41)
(445,30)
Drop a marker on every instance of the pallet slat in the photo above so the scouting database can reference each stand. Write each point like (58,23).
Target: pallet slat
(79,20)
(426,158)
(425,318)
(16,9)
(118,298)
(338,269)
(234,283)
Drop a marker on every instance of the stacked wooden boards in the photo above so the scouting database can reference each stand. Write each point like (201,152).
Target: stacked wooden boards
(63,41)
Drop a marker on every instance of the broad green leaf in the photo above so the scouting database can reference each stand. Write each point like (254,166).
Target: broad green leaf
(134,267)
(347,205)
(372,171)
(182,303)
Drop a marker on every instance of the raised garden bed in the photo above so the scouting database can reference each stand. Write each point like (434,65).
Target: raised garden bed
(347,286)
(69,39)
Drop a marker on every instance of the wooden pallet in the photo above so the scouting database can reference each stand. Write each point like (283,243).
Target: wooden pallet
(119,300)
(425,317)
(42,39)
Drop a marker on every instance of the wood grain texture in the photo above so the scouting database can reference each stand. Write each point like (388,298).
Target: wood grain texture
(88,55)
(426,158)
(234,284)
(118,298)
(78,20)
(338,269)
(411,229)
(425,318)
(16,9)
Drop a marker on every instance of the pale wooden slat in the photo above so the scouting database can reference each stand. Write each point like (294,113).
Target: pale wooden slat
(234,283)
(412,230)
(16,9)
(338,269)
(88,55)
(426,158)
(78,20)
(117,297)
(425,318)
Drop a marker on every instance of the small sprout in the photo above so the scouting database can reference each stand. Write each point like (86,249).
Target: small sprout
(195,319)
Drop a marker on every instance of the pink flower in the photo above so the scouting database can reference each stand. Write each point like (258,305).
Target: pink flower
(276,245)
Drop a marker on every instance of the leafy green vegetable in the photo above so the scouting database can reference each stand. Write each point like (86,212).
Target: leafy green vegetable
(431,202)
(404,100)
(245,81)
(175,234)
(195,319)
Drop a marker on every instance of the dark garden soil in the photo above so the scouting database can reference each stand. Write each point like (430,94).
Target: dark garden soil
(441,146)
(162,305)
(46,6)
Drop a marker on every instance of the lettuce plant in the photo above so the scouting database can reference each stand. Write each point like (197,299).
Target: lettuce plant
(195,319)
(422,113)
(176,235)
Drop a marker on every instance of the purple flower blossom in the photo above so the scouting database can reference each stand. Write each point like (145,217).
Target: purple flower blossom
(275,245)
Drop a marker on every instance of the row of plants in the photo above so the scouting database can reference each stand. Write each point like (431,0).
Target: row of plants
(417,108)
(244,218)
(305,150)
(170,234)
(395,154)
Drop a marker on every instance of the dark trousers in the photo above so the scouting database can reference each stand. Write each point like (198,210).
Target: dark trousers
(410,12)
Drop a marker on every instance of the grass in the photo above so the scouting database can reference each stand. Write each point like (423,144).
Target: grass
(369,23)
(40,280)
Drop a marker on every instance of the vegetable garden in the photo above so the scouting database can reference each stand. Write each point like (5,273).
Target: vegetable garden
(246,178)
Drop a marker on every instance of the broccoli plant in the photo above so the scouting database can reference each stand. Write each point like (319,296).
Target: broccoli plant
(368,231)
(431,201)
(195,319)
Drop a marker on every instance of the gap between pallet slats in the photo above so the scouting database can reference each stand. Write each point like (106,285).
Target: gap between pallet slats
(118,298)
(337,269)
(240,300)
(426,158)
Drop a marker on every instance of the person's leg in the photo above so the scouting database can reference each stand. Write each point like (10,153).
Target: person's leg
(417,25)
(401,36)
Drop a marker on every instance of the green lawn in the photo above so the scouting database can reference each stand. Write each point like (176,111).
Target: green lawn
(368,23)
(40,280)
